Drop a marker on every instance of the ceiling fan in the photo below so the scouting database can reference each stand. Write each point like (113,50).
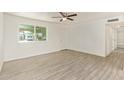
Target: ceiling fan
(65,16)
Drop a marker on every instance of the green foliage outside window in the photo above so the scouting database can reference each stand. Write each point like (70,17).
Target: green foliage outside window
(32,33)
(40,33)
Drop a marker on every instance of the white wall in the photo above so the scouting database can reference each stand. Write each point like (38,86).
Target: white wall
(88,37)
(109,39)
(15,50)
(1,40)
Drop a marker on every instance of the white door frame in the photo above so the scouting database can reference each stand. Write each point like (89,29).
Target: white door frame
(1,40)
(110,39)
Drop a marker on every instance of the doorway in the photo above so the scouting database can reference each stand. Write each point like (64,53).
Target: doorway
(120,37)
(114,37)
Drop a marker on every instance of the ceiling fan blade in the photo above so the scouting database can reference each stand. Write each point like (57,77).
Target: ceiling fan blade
(72,15)
(56,17)
(61,20)
(70,19)
(62,14)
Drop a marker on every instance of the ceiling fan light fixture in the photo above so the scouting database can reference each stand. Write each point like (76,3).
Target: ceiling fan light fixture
(64,18)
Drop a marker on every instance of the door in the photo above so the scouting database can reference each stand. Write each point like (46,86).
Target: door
(114,39)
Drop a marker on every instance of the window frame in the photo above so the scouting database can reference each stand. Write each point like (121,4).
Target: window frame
(35,40)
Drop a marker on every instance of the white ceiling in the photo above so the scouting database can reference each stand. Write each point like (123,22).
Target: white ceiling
(82,16)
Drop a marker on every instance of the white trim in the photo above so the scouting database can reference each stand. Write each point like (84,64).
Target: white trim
(1,40)
(17,58)
(1,64)
(34,34)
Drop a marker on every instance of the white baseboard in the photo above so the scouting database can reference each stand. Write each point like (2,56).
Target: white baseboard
(17,58)
(91,53)
(28,56)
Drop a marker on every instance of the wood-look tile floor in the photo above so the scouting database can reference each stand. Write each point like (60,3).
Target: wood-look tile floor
(66,65)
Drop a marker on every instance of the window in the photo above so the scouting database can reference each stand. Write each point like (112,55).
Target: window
(32,33)
(40,33)
(26,33)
